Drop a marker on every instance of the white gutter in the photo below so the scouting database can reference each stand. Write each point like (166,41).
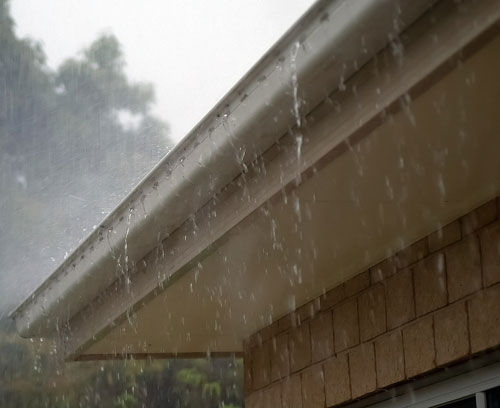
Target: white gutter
(324,48)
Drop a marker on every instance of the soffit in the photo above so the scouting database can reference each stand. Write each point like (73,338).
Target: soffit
(432,161)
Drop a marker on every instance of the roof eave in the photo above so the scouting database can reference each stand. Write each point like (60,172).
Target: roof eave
(317,51)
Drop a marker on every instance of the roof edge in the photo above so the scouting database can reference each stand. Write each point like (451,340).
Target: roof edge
(246,122)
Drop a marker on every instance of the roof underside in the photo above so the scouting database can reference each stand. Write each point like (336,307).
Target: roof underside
(427,164)
(406,145)
(300,70)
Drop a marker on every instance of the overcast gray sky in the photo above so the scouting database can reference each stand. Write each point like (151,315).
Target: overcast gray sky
(192,50)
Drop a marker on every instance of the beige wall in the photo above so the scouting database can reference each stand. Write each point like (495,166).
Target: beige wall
(428,306)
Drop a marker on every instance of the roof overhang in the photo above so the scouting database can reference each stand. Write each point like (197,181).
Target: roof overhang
(199,269)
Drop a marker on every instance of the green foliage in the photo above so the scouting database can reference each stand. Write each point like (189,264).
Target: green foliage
(189,376)
(32,376)
(211,390)
(125,401)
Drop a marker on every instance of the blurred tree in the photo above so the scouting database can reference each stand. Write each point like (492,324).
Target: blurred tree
(94,101)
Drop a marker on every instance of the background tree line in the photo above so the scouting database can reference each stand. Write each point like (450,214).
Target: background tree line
(32,376)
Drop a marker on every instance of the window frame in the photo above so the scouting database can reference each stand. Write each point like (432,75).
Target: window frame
(474,382)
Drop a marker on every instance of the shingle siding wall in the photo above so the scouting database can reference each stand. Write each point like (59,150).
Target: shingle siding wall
(430,305)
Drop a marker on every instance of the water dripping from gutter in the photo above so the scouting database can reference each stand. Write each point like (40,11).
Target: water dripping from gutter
(296,101)
(295,85)
(125,250)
